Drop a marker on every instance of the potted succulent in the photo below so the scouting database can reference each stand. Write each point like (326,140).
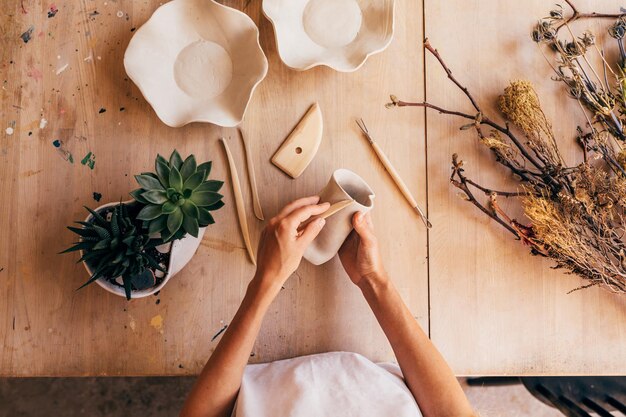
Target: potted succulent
(134,248)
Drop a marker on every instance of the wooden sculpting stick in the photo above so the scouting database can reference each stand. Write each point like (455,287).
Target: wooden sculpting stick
(239,201)
(333,209)
(256,204)
(393,173)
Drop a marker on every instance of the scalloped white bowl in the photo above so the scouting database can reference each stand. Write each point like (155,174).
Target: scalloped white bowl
(197,61)
(340,34)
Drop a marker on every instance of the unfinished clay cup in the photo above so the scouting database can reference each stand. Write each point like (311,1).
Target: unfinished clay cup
(343,185)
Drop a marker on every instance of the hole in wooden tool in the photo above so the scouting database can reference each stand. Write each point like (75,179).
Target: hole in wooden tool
(298,150)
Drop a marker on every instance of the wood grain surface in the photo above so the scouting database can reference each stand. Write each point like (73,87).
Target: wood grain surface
(496,310)
(70,74)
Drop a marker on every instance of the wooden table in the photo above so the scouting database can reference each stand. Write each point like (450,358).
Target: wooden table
(489,307)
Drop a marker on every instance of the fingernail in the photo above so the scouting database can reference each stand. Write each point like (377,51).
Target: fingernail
(321,223)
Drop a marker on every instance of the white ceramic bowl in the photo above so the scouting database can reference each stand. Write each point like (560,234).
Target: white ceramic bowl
(197,61)
(340,34)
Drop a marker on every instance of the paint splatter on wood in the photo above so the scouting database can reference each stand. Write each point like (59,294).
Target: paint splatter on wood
(157,322)
(222,330)
(62,68)
(65,154)
(89,160)
(97,196)
(9,131)
(30,173)
(34,73)
(52,11)
(43,123)
(28,34)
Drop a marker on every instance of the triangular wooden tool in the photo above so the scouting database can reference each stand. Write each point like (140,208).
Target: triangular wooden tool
(300,147)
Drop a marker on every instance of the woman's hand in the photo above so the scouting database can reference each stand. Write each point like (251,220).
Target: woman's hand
(359,254)
(283,243)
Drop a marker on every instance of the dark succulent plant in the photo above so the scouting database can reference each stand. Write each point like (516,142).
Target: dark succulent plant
(114,247)
(178,197)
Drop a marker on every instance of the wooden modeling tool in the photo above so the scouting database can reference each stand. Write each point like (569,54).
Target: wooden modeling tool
(256,204)
(300,147)
(239,202)
(393,173)
(333,209)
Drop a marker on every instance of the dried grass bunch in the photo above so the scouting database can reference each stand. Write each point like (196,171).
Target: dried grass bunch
(574,214)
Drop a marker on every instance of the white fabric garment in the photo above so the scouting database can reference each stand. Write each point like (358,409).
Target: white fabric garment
(329,384)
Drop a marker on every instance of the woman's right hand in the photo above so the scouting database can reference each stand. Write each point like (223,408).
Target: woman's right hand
(359,254)
(284,240)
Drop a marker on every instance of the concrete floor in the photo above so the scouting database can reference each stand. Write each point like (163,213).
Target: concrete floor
(507,400)
(163,397)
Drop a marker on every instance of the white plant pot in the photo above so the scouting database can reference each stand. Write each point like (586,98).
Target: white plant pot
(181,253)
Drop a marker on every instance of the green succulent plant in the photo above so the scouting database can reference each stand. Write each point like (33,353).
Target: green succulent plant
(178,197)
(114,248)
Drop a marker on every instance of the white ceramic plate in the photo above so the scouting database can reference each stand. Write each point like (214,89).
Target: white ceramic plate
(197,61)
(340,34)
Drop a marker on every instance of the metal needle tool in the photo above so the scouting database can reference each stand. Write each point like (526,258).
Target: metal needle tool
(393,173)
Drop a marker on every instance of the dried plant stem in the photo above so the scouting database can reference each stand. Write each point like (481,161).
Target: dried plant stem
(483,120)
(577,15)
(459,180)
(575,215)
(544,176)
(489,191)
(435,53)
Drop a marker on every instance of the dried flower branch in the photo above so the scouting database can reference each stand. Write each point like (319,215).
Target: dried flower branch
(575,215)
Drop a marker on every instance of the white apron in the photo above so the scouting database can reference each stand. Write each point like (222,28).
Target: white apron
(329,384)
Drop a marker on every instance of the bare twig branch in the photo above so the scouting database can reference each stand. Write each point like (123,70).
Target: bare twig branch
(460,182)
(577,15)
(435,53)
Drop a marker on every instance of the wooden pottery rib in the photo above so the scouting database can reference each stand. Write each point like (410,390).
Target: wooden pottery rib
(239,201)
(256,203)
(300,147)
(333,209)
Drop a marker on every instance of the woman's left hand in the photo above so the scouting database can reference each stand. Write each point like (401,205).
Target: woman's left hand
(283,243)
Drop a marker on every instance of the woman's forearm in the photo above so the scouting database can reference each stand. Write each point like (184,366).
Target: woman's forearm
(280,251)
(215,391)
(426,373)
